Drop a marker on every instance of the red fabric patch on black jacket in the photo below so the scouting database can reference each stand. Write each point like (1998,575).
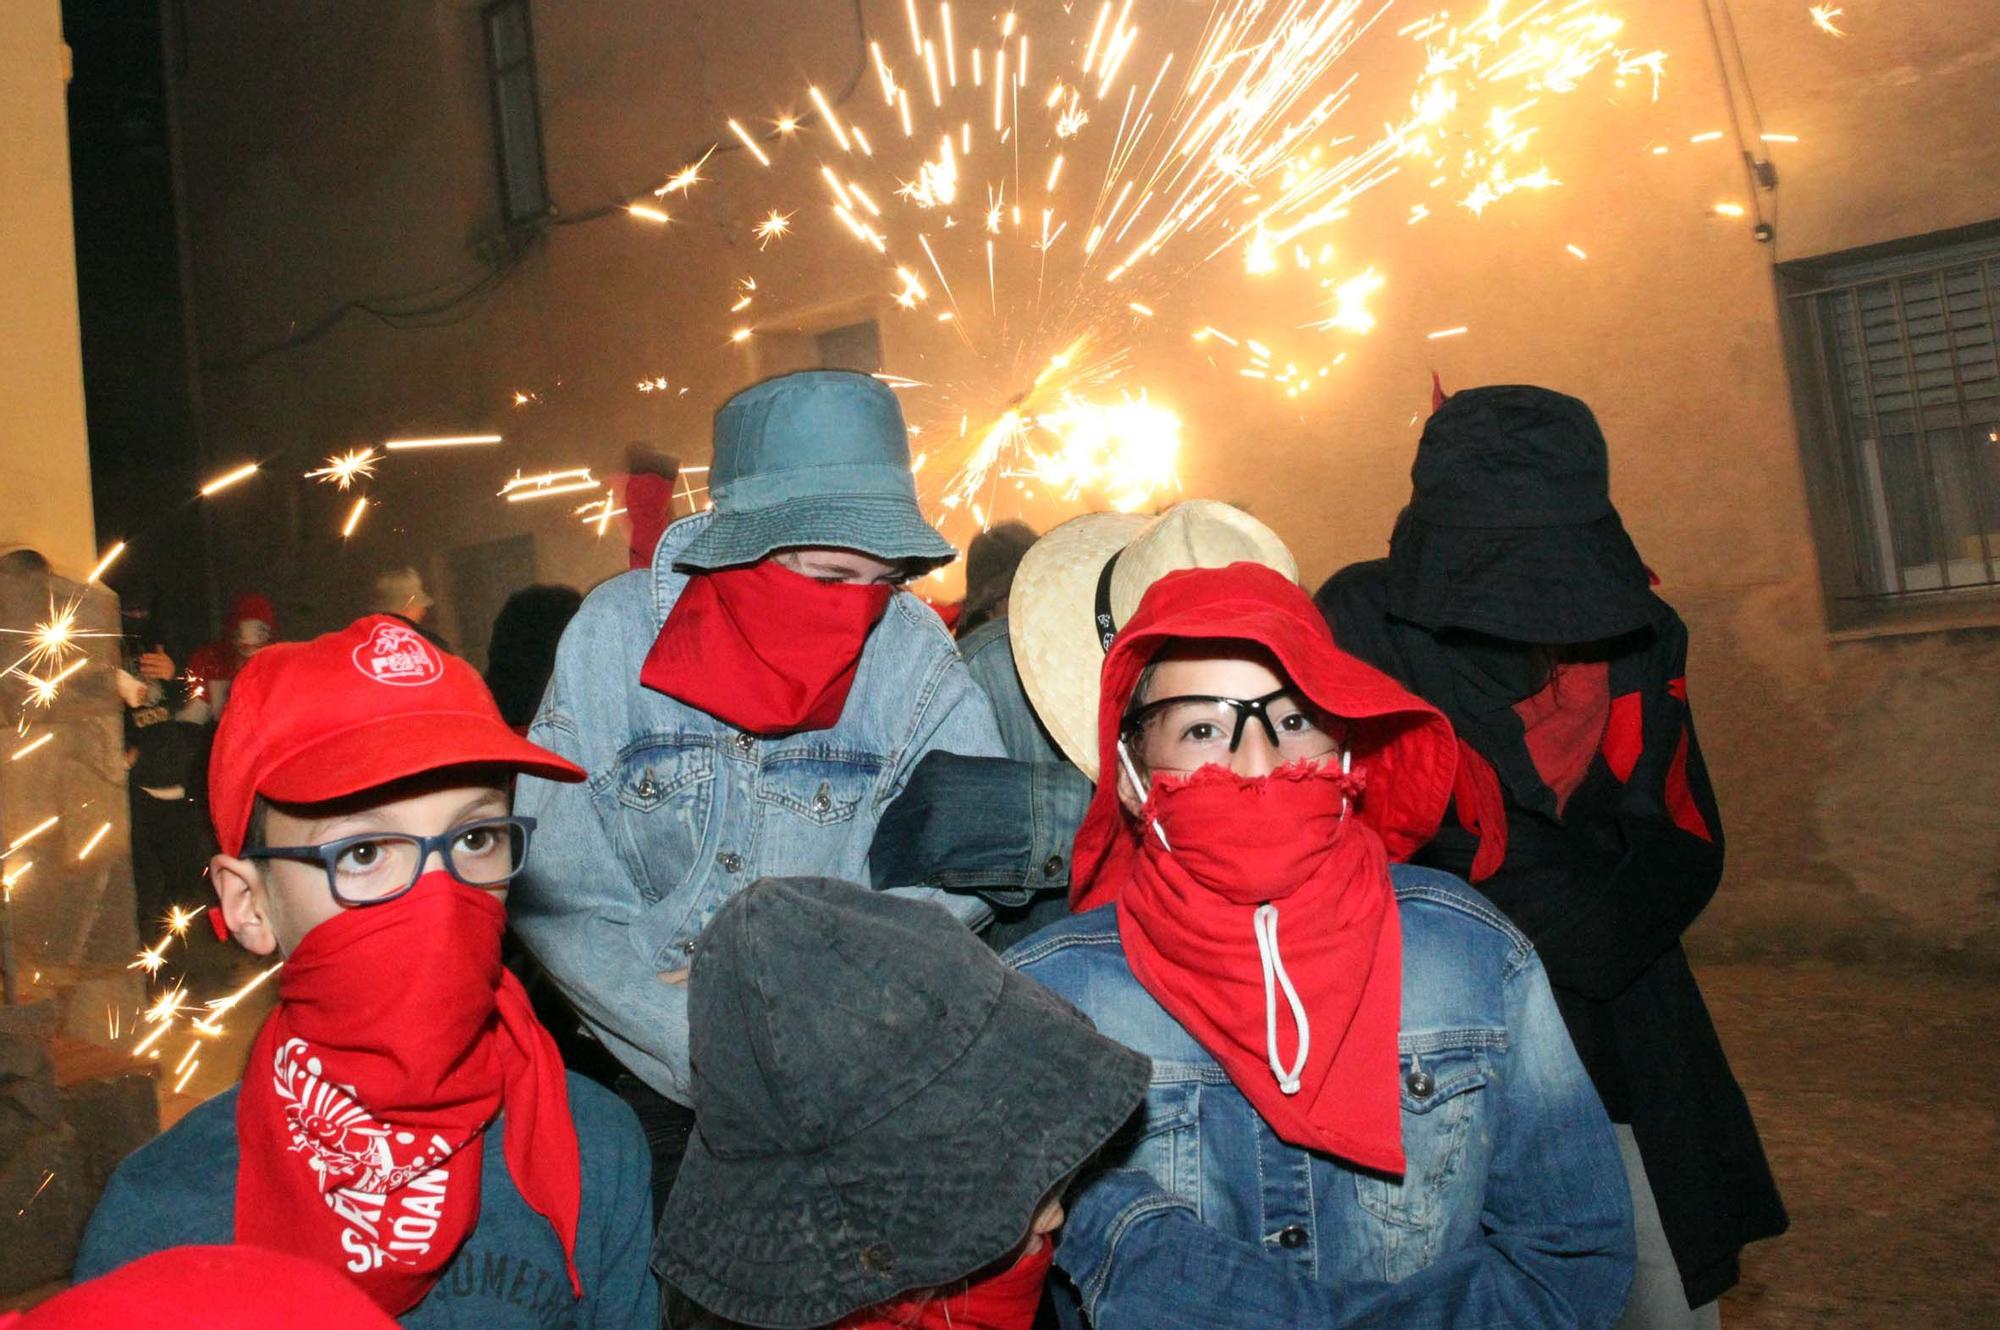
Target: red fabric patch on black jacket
(1680,799)
(1624,736)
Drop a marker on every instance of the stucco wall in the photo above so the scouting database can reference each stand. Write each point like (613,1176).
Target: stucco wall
(46,475)
(329,159)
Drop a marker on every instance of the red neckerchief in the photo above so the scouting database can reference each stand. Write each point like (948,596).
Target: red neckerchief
(1564,724)
(397,1039)
(1186,918)
(763,648)
(1005,1301)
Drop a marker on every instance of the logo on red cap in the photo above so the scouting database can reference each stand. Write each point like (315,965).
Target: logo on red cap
(398,655)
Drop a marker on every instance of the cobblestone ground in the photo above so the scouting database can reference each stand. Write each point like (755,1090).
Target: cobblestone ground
(1878,1094)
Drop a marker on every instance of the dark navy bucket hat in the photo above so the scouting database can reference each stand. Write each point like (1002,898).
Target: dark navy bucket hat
(880,1105)
(1510,530)
(820,457)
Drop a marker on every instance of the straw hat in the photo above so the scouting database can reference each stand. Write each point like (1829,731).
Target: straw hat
(1052,612)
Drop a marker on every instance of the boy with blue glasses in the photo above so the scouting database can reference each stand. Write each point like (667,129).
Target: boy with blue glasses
(403,1118)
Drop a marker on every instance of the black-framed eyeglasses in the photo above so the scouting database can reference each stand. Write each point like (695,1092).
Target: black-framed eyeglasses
(378,866)
(1187,732)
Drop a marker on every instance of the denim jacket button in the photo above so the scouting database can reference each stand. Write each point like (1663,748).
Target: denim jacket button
(824,799)
(1420,1084)
(645,789)
(878,1258)
(1052,865)
(687,947)
(1292,1237)
(731,861)
(746,742)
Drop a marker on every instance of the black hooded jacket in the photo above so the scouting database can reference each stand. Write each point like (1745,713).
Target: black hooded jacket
(1605,890)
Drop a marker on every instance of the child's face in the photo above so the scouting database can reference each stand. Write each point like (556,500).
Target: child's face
(271,904)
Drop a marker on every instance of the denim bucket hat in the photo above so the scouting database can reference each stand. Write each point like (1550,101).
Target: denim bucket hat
(821,457)
(880,1105)
(1510,530)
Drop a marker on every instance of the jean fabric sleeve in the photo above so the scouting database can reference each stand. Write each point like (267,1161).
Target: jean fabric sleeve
(1557,1249)
(955,719)
(578,910)
(989,825)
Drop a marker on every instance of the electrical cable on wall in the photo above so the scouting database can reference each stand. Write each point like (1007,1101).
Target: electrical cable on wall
(496,270)
(1759,174)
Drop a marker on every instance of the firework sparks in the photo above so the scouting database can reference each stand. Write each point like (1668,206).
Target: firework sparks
(1127,167)
(152,958)
(91,844)
(648,213)
(110,557)
(31,833)
(31,746)
(1823,17)
(442,441)
(211,1024)
(775,226)
(48,1176)
(522,488)
(1443,333)
(229,478)
(343,469)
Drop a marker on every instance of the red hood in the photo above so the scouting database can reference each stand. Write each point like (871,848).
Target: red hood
(249,607)
(1405,745)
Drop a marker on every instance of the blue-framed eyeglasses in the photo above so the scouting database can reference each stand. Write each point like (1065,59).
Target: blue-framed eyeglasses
(379,866)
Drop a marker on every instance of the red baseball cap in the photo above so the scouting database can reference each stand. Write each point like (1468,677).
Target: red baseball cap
(209,1288)
(348,711)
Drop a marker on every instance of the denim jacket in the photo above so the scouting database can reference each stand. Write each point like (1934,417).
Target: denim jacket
(1513,1209)
(681,811)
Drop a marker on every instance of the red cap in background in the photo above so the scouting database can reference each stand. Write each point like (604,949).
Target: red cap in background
(348,711)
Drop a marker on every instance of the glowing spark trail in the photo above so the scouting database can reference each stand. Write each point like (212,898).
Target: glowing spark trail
(110,557)
(444,441)
(354,516)
(1823,17)
(91,844)
(33,832)
(30,747)
(228,478)
(522,488)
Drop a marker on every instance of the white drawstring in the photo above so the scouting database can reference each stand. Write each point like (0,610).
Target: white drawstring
(1265,921)
(1141,789)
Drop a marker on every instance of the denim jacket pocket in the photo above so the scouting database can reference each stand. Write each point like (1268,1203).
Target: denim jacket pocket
(820,787)
(1444,1129)
(663,788)
(1164,1138)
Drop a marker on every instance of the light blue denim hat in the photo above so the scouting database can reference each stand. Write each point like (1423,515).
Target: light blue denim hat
(821,457)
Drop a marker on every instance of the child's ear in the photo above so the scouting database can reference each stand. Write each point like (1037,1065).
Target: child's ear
(239,886)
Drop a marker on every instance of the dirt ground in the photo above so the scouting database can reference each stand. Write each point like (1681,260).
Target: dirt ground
(1878,1094)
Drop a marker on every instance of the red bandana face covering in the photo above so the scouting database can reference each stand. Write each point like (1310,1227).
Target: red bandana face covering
(763,648)
(1269,930)
(397,1039)
(1004,1301)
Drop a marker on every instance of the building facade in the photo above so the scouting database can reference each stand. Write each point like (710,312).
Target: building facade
(1776,283)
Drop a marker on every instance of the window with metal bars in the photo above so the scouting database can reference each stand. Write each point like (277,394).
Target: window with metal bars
(517,118)
(1899,387)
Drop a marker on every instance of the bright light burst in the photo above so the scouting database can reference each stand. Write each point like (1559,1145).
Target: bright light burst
(343,469)
(1026,223)
(1823,17)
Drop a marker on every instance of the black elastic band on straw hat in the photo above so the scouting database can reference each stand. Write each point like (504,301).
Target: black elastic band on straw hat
(1107,627)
